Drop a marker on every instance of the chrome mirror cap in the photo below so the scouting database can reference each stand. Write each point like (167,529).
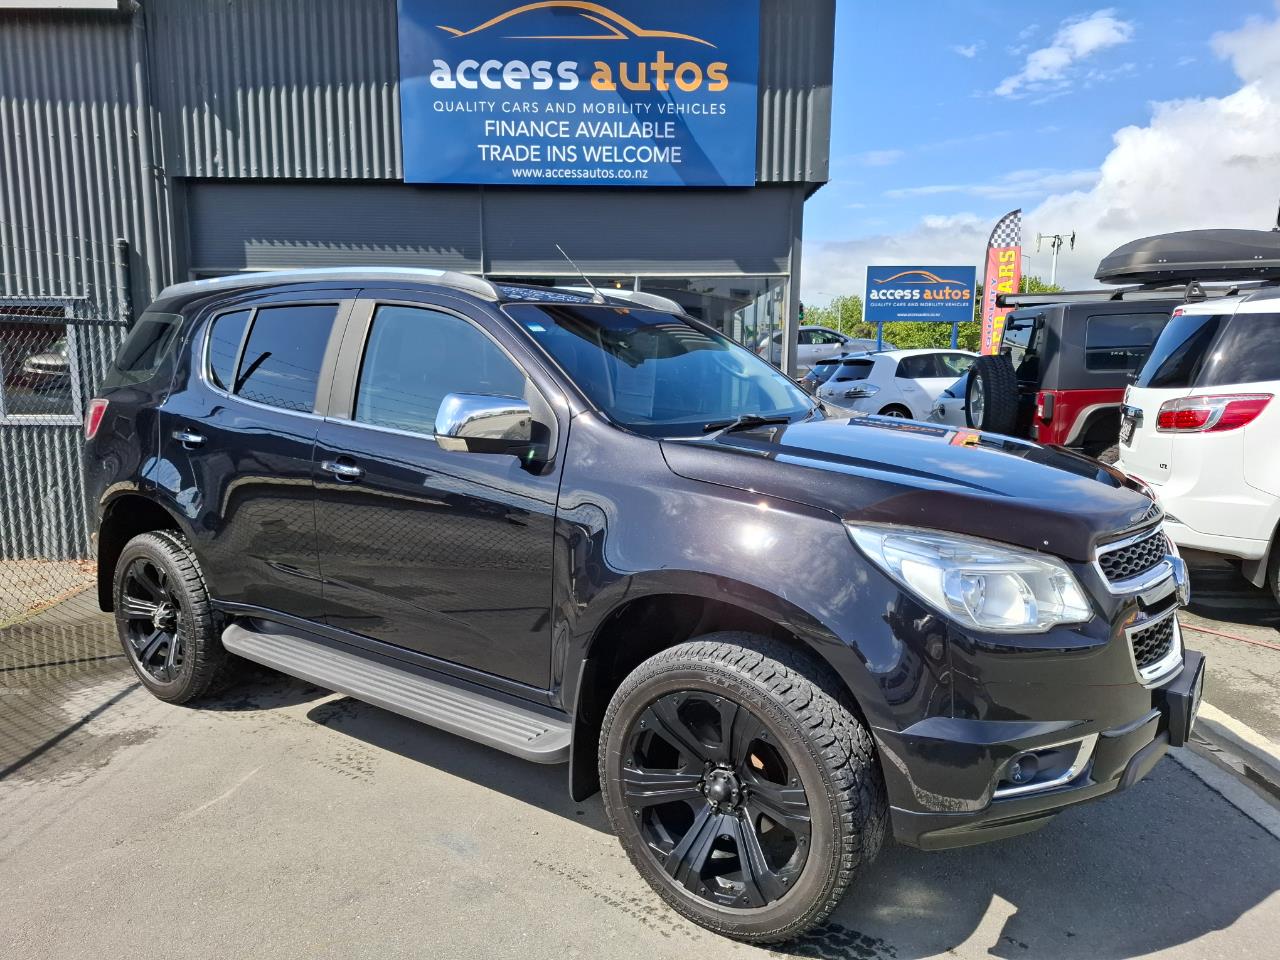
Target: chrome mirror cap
(472,423)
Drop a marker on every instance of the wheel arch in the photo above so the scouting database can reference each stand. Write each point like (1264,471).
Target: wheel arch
(652,617)
(123,518)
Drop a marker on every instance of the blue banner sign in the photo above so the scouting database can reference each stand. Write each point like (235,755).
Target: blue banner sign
(929,294)
(569,92)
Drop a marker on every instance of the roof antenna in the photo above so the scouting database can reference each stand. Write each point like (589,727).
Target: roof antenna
(596,295)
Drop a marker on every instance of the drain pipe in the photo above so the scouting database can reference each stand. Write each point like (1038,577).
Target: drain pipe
(124,281)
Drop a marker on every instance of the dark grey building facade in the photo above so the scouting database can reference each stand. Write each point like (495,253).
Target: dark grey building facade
(143,143)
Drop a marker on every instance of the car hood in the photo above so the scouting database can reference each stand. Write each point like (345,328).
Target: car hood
(884,470)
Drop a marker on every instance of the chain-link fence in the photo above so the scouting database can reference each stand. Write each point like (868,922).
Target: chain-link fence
(53,352)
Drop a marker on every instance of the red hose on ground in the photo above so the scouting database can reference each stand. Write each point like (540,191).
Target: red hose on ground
(1230,636)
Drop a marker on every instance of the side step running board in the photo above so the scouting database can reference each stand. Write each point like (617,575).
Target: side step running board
(530,732)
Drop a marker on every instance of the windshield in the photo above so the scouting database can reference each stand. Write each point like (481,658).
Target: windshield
(656,373)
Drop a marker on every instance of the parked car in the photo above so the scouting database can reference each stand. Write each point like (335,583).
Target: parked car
(949,408)
(813,344)
(1201,428)
(587,528)
(1060,375)
(897,383)
(818,374)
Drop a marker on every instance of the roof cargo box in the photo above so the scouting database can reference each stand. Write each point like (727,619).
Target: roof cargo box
(1203,255)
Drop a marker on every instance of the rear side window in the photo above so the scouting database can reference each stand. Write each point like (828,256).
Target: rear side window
(281,362)
(953,364)
(415,357)
(921,367)
(854,370)
(1180,351)
(1120,341)
(1245,353)
(145,350)
(225,338)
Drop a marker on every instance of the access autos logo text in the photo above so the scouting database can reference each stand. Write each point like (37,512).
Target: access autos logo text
(919,285)
(577,20)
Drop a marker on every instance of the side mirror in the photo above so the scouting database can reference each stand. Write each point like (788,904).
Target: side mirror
(471,423)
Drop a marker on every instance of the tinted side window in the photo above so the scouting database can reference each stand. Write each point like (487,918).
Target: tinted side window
(1120,341)
(1021,337)
(225,336)
(953,364)
(144,350)
(805,337)
(917,368)
(416,357)
(282,357)
(826,336)
(1180,351)
(1245,353)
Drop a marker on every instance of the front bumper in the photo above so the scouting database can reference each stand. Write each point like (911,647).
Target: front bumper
(978,750)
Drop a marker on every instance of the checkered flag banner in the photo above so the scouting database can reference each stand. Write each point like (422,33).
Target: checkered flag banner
(1003,275)
(1008,232)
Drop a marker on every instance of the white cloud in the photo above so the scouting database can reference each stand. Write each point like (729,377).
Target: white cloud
(1202,162)
(1077,38)
(968,51)
(1015,185)
(879,158)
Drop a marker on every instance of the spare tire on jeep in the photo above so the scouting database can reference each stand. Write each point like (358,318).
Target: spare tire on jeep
(991,396)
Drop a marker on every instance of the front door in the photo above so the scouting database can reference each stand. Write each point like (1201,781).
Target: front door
(443,553)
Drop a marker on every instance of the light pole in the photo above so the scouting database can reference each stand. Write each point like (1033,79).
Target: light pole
(1056,241)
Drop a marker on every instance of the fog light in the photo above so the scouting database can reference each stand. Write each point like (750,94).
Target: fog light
(1044,768)
(1022,769)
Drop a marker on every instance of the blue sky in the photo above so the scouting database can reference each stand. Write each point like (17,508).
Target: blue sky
(965,109)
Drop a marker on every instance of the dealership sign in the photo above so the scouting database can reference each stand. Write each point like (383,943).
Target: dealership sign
(569,92)
(929,294)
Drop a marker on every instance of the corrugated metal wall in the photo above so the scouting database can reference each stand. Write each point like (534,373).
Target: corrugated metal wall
(76,172)
(277,88)
(76,167)
(310,88)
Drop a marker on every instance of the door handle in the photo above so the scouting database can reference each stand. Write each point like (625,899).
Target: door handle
(189,438)
(343,471)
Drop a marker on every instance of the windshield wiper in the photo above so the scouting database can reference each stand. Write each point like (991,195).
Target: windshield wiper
(745,422)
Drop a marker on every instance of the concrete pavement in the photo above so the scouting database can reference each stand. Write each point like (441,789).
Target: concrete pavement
(281,821)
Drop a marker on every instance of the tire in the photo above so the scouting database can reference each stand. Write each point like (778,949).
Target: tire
(179,657)
(993,391)
(795,745)
(1110,455)
(896,410)
(1273,568)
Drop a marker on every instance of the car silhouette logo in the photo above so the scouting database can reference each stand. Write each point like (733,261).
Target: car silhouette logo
(614,25)
(916,276)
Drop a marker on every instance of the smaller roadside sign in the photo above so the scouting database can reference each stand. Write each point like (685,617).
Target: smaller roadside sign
(923,294)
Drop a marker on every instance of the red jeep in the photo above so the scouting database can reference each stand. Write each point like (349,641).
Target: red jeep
(1063,365)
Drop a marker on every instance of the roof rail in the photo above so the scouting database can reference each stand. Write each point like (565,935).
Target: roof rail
(476,286)
(1175,291)
(636,296)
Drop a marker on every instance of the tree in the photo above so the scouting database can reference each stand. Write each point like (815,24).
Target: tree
(844,313)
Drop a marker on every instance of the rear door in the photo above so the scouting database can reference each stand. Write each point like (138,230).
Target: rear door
(1170,371)
(439,552)
(236,446)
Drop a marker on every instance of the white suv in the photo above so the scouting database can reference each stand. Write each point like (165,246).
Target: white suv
(1201,427)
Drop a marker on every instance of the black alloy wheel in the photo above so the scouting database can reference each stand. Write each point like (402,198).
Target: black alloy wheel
(154,631)
(741,784)
(166,622)
(718,803)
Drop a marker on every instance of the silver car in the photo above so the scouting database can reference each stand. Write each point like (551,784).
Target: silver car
(814,344)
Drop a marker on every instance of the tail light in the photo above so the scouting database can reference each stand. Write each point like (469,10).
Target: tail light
(93,415)
(1044,406)
(1210,414)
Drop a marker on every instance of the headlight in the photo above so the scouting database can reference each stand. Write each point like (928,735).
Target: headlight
(983,585)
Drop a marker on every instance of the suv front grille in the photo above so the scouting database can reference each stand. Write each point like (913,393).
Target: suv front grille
(1133,559)
(1152,644)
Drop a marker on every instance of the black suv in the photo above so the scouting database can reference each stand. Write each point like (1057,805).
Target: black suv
(588,528)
